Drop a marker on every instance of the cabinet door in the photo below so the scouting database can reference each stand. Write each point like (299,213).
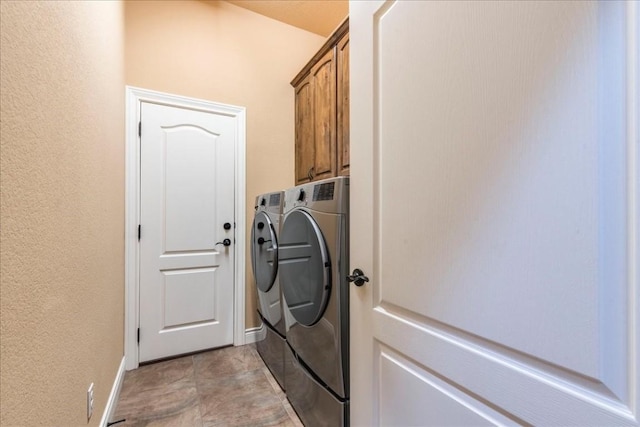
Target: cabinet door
(342,64)
(305,150)
(324,129)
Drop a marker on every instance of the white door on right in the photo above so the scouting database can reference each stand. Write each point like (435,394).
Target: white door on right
(494,183)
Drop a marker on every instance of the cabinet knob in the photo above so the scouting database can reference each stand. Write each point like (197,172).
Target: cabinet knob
(310,174)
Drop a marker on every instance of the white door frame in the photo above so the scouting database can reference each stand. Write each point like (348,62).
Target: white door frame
(134,96)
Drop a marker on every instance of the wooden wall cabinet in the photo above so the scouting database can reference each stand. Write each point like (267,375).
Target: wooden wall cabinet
(342,92)
(322,111)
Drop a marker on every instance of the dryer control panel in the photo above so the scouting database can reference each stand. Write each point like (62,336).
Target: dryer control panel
(323,191)
(275,199)
(270,202)
(330,195)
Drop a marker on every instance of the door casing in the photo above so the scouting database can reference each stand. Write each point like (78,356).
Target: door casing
(134,96)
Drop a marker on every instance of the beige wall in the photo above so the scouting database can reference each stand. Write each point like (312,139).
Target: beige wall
(223,53)
(62,211)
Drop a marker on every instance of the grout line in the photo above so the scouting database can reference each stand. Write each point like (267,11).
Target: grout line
(195,371)
(197,387)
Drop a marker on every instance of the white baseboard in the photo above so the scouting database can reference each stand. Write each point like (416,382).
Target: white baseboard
(255,334)
(113,396)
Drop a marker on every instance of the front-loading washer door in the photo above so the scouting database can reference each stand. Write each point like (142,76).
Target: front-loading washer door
(264,251)
(305,268)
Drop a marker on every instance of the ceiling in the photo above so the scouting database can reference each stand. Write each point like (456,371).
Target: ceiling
(317,16)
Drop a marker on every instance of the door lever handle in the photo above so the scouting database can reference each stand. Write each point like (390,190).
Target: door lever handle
(225,242)
(357,277)
(273,246)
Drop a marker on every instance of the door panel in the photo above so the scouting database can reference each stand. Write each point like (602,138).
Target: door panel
(186,279)
(305,147)
(490,185)
(408,391)
(324,111)
(342,92)
(189,296)
(190,209)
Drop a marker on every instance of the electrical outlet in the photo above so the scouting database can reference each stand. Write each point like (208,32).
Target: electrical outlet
(90,402)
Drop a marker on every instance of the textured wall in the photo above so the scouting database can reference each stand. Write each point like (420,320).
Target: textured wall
(62,196)
(223,53)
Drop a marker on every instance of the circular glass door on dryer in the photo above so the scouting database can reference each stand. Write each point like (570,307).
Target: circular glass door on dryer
(305,268)
(264,252)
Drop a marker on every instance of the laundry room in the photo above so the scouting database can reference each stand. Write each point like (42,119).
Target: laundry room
(247,65)
(319,213)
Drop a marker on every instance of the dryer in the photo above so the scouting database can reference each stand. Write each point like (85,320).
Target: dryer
(313,258)
(264,262)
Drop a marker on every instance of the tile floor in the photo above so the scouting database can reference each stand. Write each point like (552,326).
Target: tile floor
(224,387)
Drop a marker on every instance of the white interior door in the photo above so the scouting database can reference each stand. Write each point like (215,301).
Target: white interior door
(495,210)
(187,195)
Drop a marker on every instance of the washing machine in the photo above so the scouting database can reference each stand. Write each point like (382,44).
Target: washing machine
(314,262)
(264,261)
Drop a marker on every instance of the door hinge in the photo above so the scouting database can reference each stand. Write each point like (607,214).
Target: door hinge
(138,335)
(139,231)
(140,129)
